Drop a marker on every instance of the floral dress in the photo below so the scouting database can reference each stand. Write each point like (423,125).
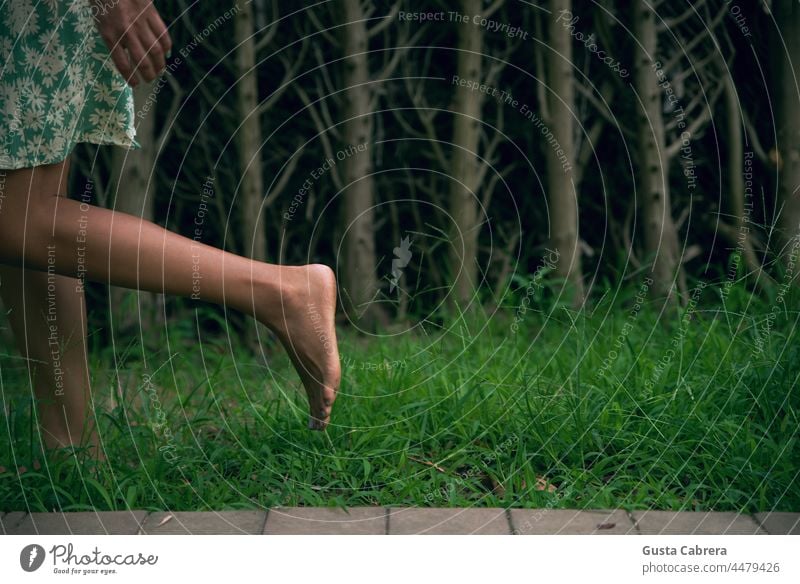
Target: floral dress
(58,84)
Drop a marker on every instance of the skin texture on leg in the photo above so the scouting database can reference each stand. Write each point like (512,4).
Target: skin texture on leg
(48,316)
(47,313)
(39,229)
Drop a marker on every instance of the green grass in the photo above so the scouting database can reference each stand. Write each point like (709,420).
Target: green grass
(471,416)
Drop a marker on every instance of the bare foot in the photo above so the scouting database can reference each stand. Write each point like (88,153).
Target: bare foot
(303,320)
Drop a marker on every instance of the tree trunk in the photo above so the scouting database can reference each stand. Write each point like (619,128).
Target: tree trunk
(561,182)
(464,187)
(660,235)
(251,191)
(739,233)
(132,185)
(787,14)
(359,286)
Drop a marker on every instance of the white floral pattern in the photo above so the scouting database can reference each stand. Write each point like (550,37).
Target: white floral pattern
(58,85)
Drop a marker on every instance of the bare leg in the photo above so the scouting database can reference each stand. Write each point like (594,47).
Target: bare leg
(47,313)
(38,229)
(56,356)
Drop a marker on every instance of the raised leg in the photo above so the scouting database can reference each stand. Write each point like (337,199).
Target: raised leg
(40,229)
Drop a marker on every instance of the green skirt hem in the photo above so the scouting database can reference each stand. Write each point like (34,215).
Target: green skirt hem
(11,164)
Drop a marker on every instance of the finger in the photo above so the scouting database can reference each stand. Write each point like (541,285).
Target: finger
(143,61)
(123,64)
(160,32)
(154,51)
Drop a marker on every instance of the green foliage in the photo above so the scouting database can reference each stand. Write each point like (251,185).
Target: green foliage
(474,416)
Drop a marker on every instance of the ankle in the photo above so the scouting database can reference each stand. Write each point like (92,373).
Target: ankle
(269,293)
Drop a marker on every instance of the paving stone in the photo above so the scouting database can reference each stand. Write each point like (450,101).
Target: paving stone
(204,523)
(80,523)
(373,520)
(571,522)
(416,520)
(326,521)
(10,520)
(779,523)
(695,523)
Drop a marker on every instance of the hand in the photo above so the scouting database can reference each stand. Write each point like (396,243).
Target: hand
(135,35)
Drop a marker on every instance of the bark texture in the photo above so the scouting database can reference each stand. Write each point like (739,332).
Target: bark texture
(465,165)
(660,235)
(359,286)
(251,189)
(560,162)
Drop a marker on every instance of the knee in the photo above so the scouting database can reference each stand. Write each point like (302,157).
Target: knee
(26,219)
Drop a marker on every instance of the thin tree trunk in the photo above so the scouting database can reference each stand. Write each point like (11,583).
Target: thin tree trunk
(133,187)
(738,234)
(465,165)
(660,235)
(560,163)
(787,14)
(359,279)
(251,190)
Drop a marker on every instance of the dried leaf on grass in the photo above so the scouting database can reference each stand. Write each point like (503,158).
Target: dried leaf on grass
(428,463)
(542,484)
(163,521)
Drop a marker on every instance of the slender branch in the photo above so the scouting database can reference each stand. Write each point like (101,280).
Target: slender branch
(331,38)
(687,111)
(398,54)
(687,47)
(697,66)
(695,126)
(427,122)
(425,114)
(321,131)
(202,81)
(493,8)
(272,32)
(603,109)
(671,23)
(587,147)
(290,69)
(325,113)
(331,88)
(287,173)
(490,187)
(491,148)
(407,128)
(751,135)
(385,22)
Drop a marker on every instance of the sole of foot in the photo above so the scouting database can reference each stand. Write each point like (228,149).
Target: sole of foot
(305,325)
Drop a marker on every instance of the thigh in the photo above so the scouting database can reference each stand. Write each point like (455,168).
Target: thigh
(25,194)
(27,294)
(23,183)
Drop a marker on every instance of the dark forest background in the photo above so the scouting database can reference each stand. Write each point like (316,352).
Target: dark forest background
(676,121)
